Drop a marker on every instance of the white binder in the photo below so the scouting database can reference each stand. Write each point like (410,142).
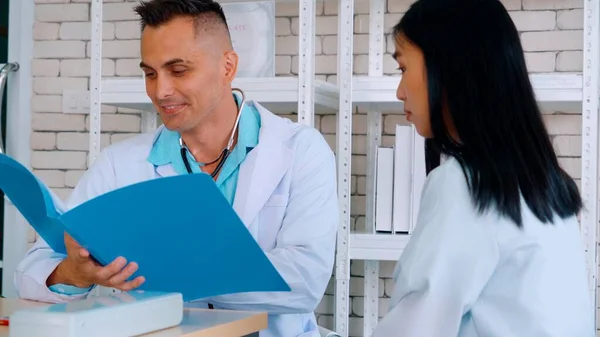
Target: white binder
(419,174)
(403,167)
(409,178)
(384,189)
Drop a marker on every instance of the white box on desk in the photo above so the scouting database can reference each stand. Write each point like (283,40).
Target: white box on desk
(252,30)
(123,314)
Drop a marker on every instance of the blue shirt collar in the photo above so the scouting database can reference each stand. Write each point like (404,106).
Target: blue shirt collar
(166,149)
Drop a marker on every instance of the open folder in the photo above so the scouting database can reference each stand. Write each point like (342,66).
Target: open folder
(180,230)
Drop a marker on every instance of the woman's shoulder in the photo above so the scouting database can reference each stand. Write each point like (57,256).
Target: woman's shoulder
(449,175)
(446,190)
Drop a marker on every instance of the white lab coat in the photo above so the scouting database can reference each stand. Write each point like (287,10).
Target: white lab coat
(469,275)
(286,195)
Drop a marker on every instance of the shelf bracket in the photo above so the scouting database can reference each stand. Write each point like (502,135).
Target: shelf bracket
(306,62)
(374,118)
(95,81)
(344,160)
(589,156)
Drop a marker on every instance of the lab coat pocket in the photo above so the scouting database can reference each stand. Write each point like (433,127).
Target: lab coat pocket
(271,219)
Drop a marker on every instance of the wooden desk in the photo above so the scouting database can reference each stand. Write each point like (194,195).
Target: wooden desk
(195,323)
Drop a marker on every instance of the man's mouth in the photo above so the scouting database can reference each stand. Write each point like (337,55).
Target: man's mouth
(171,109)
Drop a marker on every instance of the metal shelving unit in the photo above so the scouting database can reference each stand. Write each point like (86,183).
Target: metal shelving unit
(375,93)
(559,91)
(276,94)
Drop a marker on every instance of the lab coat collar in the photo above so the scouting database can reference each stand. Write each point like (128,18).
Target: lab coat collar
(166,149)
(265,166)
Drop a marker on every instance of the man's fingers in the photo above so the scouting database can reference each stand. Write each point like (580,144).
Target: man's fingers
(83,253)
(123,275)
(138,281)
(104,273)
(70,241)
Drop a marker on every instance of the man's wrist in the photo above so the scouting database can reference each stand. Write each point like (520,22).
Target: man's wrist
(60,275)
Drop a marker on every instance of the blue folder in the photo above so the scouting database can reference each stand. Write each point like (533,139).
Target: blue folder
(180,230)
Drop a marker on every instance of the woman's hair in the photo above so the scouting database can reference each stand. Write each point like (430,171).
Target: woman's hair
(477,74)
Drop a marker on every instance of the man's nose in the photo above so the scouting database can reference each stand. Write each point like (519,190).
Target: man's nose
(164,87)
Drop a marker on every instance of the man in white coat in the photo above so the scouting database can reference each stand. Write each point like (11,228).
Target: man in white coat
(279,176)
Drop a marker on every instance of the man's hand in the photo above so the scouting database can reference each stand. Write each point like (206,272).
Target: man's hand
(81,270)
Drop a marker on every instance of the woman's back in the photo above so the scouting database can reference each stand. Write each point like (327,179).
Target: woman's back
(539,284)
(469,274)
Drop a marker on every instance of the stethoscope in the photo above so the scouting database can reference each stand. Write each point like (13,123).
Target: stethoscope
(226,151)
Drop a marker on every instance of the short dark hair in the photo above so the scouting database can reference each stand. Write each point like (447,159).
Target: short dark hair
(154,13)
(477,74)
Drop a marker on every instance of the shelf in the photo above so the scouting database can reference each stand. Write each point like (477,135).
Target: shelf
(554,91)
(278,94)
(292,2)
(380,247)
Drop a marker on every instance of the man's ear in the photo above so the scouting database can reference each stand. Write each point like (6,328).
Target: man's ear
(231,63)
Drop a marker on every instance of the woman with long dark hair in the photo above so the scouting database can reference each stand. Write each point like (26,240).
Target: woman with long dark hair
(497,250)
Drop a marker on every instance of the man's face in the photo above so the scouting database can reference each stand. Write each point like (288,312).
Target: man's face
(187,71)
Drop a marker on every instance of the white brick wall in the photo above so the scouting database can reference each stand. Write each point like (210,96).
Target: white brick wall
(551,34)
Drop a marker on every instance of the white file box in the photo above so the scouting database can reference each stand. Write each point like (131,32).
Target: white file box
(117,315)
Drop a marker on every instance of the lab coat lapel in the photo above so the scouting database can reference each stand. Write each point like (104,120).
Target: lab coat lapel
(164,168)
(264,167)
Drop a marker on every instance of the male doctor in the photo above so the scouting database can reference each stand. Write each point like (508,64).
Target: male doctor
(279,176)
